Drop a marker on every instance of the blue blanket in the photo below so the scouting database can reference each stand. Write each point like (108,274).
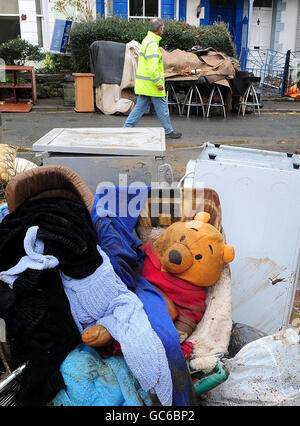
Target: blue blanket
(115,214)
(94,381)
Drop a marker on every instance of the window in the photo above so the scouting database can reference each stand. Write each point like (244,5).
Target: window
(222,3)
(39,21)
(144,8)
(9,20)
(262,3)
(9,28)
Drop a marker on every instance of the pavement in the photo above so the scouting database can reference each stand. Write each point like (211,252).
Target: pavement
(277,128)
(274,104)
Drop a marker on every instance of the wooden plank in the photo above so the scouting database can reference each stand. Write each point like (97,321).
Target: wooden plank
(15,68)
(16,86)
(106,141)
(15,107)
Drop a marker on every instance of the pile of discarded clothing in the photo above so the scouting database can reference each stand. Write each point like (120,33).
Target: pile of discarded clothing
(67,266)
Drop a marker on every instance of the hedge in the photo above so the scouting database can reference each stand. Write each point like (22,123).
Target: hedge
(177,35)
(18,51)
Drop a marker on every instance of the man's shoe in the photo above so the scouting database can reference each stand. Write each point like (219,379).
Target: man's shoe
(173,135)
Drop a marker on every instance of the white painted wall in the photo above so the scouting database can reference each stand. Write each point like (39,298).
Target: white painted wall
(298,36)
(191,12)
(28,27)
(290,19)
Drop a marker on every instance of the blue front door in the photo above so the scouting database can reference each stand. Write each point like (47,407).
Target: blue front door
(223,11)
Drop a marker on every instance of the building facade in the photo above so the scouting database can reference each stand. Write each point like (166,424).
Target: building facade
(256,24)
(32,20)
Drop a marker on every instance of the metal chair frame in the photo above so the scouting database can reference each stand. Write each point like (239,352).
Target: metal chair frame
(170,92)
(210,102)
(198,101)
(244,102)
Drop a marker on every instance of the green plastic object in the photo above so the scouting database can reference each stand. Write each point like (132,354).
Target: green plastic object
(208,382)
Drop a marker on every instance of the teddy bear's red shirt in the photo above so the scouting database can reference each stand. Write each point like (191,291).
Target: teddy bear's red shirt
(189,299)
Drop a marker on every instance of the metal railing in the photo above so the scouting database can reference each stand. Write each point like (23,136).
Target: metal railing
(277,71)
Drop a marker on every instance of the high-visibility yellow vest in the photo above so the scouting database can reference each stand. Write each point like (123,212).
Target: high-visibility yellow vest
(150,69)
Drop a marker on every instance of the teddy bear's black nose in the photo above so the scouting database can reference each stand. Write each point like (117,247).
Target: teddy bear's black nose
(175,257)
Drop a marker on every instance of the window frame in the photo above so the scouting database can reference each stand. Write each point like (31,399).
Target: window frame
(263,6)
(108,8)
(42,19)
(176,10)
(143,16)
(13,15)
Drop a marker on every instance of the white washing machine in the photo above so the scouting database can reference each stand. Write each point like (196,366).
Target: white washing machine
(259,193)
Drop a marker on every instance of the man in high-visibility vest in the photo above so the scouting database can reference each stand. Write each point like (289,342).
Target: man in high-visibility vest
(150,81)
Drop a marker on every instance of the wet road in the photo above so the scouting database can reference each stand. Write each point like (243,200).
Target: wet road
(275,131)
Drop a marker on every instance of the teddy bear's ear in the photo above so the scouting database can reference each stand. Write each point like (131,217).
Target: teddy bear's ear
(228,254)
(202,217)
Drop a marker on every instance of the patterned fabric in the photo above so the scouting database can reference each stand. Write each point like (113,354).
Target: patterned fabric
(166,206)
(7,162)
(2,192)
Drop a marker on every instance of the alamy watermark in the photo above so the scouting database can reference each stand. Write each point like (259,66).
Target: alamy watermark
(157,200)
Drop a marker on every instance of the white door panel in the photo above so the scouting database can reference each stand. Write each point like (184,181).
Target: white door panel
(261,24)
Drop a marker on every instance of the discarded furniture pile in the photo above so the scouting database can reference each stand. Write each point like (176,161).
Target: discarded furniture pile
(199,79)
(124,297)
(73,293)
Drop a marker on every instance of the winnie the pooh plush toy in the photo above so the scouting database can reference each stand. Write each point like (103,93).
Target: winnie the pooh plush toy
(185,259)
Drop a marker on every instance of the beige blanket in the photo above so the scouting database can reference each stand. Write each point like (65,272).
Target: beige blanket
(215,66)
(112,98)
